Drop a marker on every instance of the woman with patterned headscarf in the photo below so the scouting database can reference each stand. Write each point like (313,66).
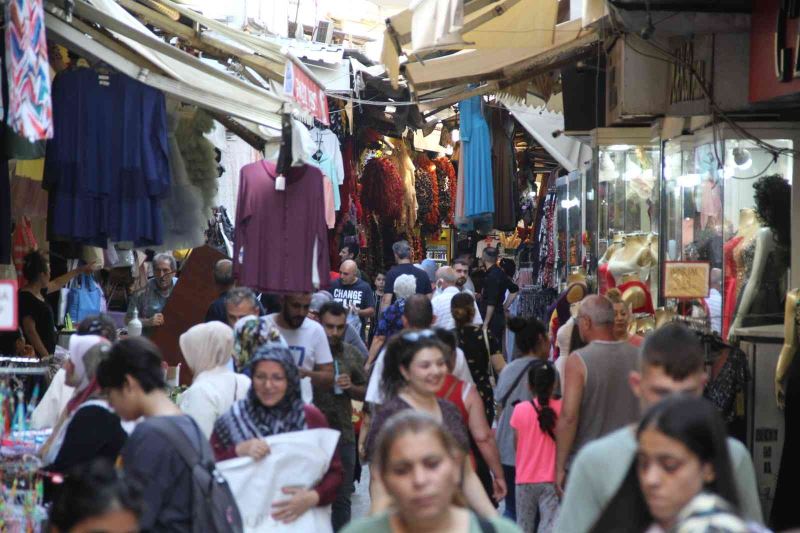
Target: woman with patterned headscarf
(273,406)
(208,349)
(249,334)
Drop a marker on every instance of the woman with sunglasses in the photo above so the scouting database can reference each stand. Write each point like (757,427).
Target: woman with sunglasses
(681,480)
(413,373)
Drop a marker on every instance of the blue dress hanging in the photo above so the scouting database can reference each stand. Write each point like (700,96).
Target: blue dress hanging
(477,150)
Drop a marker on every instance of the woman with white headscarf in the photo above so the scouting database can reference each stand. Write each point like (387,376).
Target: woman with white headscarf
(208,349)
(88,427)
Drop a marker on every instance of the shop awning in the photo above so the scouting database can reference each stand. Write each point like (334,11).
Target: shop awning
(138,53)
(542,124)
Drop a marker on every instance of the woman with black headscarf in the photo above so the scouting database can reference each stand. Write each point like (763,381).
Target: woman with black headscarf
(273,405)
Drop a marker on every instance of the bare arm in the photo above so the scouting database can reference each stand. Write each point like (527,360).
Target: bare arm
(474,493)
(29,328)
(789,347)
(488,318)
(366,313)
(321,376)
(567,427)
(386,300)
(484,439)
(59,282)
(374,350)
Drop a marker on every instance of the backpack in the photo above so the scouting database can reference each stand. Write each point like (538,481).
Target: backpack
(214,508)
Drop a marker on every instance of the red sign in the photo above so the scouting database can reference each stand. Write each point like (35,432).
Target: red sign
(8,305)
(774,49)
(305,92)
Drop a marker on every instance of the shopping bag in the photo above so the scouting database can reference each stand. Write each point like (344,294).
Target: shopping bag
(84,299)
(298,459)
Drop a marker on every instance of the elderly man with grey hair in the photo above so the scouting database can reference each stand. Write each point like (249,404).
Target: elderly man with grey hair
(150,301)
(446,284)
(402,258)
(597,399)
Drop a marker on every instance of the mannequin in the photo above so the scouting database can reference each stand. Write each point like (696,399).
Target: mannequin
(635,256)
(663,316)
(787,392)
(604,279)
(559,311)
(636,294)
(766,257)
(576,275)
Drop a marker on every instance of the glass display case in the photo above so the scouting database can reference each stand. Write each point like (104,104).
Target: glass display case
(628,168)
(569,222)
(709,200)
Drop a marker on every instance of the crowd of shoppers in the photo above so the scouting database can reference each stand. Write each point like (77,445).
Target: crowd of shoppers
(413,376)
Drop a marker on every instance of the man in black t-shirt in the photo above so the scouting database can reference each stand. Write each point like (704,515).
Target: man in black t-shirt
(353,293)
(493,296)
(402,256)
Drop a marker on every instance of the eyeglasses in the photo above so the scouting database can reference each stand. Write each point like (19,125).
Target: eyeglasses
(416,336)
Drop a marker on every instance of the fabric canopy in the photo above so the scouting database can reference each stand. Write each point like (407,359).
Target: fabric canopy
(186,77)
(541,124)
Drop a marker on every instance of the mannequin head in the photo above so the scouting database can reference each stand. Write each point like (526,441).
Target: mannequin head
(773,197)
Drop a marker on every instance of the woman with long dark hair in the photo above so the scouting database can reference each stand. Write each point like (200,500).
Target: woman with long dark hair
(413,373)
(682,479)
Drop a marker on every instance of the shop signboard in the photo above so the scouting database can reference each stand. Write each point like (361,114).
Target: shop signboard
(8,305)
(774,49)
(306,93)
(687,279)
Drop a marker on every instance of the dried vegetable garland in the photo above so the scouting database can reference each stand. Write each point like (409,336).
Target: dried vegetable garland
(427,185)
(448,182)
(382,188)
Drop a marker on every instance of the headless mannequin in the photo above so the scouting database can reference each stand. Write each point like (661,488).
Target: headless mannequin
(787,383)
(748,223)
(791,343)
(635,256)
(765,245)
(614,247)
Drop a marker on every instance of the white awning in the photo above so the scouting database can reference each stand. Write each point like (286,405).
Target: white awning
(184,76)
(541,124)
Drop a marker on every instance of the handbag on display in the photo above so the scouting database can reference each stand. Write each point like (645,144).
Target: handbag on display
(84,298)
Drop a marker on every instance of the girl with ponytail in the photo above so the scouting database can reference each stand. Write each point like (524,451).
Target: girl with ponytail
(534,424)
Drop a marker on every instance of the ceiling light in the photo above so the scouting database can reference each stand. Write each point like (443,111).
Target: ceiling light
(619,147)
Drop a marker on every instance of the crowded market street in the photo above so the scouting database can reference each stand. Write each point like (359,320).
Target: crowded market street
(429,266)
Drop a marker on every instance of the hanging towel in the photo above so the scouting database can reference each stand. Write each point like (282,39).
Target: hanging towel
(30,110)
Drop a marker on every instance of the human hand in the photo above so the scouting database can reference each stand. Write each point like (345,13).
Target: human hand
(89,268)
(303,372)
(255,448)
(287,511)
(559,484)
(344,381)
(157,320)
(499,488)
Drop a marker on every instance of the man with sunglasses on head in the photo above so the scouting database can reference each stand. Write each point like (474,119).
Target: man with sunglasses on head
(418,318)
(150,301)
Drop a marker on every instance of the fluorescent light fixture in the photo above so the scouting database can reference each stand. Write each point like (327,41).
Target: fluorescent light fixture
(619,147)
(567,204)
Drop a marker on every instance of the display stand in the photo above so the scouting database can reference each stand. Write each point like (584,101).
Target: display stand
(765,422)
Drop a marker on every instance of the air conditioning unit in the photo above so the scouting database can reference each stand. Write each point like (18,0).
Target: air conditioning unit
(636,81)
(324,32)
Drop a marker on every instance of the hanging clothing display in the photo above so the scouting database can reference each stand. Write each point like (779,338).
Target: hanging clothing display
(27,196)
(547,246)
(106,178)
(503,163)
(30,110)
(477,155)
(199,154)
(328,143)
(406,169)
(183,212)
(326,165)
(5,214)
(280,236)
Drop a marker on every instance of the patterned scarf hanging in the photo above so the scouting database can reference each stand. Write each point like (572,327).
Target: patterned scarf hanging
(30,110)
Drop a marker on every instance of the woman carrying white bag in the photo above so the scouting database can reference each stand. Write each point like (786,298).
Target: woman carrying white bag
(287,473)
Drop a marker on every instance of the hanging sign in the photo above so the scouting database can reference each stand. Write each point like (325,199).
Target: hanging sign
(305,92)
(8,305)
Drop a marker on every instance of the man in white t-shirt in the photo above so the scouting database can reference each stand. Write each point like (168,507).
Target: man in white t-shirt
(417,315)
(446,279)
(306,339)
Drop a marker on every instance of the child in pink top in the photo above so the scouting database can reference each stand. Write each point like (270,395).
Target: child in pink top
(534,424)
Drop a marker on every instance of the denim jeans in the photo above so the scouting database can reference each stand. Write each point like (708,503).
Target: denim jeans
(341,506)
(511,497)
